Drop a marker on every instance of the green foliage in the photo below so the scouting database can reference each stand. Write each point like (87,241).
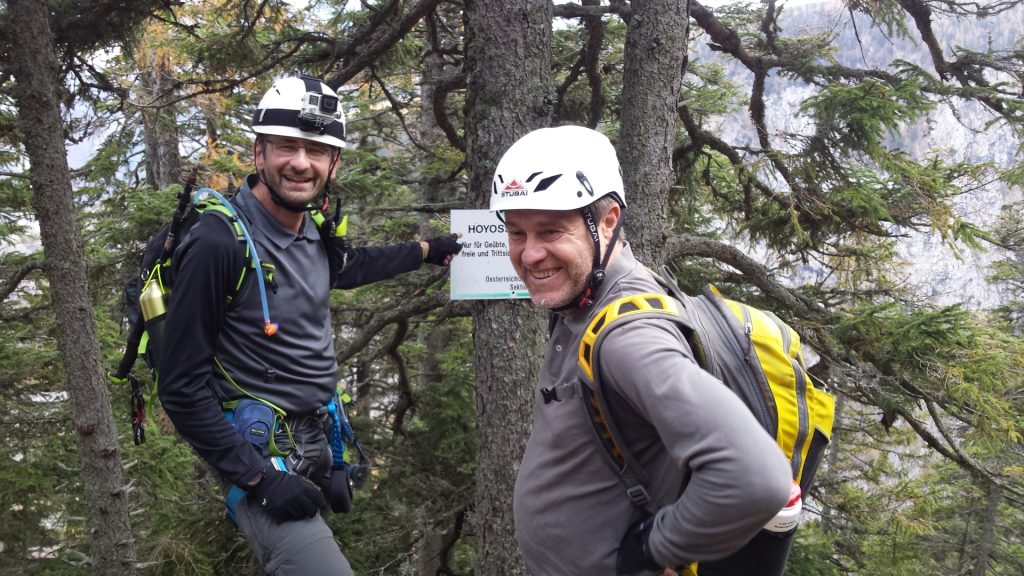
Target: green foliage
(15,193)
(83,26)
(972,365)
(854,118)
(105,167)
(709,91)
(181,525)
(1009,272)
(574,85)
(886,14)
(848,204)
(423,474)
(40,491)
(835,199)
(812,552)
(919,526)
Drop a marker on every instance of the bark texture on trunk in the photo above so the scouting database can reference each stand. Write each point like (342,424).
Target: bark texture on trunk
(652,76)
(508,54)
(986,541)
(160,123)
(35,66)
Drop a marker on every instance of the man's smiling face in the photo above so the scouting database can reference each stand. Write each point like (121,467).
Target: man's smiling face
(552,252)
(296,168)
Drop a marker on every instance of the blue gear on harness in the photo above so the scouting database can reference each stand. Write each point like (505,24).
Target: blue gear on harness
(256,421)
(341,432)
(341,436)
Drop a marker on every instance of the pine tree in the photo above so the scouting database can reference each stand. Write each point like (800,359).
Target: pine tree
(929,392)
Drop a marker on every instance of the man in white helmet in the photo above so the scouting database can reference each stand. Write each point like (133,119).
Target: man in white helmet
(560,194)
(276,380)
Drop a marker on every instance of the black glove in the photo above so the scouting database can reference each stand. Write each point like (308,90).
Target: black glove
(286,496)
(634,556)
(441,248)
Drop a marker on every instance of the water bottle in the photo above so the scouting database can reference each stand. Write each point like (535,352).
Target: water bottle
(154,311)
(152,301)
(789,517)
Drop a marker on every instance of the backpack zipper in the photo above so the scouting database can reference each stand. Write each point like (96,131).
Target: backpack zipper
(731,338)
(800,386)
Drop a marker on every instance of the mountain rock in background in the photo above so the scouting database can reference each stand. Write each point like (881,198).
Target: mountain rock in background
(937,272)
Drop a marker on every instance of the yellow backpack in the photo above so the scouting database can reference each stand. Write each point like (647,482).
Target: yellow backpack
(756,355)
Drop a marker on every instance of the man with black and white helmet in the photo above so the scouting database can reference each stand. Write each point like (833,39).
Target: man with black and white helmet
(222,354)
(560,193)
(294,111)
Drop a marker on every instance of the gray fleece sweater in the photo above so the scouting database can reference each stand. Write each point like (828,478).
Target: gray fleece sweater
(684,427)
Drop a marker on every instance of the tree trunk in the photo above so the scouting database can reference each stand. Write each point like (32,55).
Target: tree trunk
(430,556)
(986,541)
(652,75)
(160,122)
(35,66)
(508,53)
(434,189)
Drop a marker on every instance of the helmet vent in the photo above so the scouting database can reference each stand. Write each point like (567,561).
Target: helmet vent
(586,183)
(546,183)
(532,176)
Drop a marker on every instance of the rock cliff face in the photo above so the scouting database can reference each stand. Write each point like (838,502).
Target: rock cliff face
(939,272)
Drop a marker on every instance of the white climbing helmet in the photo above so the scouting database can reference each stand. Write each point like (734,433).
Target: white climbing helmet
(301,107)
(561,168)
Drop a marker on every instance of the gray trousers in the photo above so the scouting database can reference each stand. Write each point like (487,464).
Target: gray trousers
(297,548)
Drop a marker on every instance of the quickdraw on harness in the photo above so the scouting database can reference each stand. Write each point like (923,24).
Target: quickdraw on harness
(342,435)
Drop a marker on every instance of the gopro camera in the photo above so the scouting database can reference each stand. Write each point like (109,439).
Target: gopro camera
(318,111)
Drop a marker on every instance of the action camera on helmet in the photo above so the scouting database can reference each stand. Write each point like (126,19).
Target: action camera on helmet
(301,107)
(318,111)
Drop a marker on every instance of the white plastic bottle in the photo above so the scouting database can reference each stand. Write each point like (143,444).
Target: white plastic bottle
(789,517)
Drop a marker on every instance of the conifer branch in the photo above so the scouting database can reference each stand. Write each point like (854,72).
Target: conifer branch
(383,32)
(677,247)
(406,401)
(949,448)
(381,319)
(573,10)
(570,78)
(440,108)
(964,70)
(8,286)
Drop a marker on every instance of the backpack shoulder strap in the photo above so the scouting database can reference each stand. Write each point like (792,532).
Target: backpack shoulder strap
(217,203)
(237,224)
(625,309)
(617,453)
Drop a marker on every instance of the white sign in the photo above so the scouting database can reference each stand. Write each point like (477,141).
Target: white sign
(482,270)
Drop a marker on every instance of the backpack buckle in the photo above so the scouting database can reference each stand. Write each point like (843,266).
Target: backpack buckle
(638,496)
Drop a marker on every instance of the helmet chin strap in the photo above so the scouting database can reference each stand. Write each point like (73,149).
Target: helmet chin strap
(585,298)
